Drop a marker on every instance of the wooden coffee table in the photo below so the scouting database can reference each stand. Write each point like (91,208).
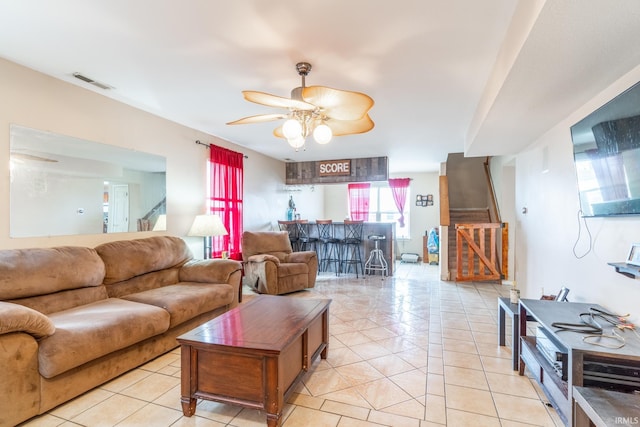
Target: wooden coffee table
(254,354)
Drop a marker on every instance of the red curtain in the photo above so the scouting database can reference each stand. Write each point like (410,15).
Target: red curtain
(399,190)
(226,183)
(359,201)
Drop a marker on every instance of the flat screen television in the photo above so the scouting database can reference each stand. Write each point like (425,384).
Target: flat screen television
(606,152)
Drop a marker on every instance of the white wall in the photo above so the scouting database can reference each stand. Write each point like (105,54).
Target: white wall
(336,202)
(34,100)
(503,176)
(547,234)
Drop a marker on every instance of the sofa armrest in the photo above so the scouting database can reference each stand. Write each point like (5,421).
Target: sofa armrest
(215,271)
(209,270)
(20,380)
(263,258)
(302,256)
(18,318)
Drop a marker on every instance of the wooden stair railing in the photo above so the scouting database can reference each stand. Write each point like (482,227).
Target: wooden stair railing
(476,252)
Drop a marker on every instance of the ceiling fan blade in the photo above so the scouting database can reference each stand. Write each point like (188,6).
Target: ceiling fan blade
(261,118)
(278,132)
(276,101)
(350,127)
(338,104)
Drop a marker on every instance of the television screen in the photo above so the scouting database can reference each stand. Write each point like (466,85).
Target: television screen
(606,151)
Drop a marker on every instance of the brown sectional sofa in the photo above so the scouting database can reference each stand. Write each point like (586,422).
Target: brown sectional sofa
(72,318)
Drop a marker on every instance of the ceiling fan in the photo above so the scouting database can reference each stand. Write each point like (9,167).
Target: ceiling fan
(318,110)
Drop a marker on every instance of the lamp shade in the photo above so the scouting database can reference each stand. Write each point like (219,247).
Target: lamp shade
(207,225)
(161,223)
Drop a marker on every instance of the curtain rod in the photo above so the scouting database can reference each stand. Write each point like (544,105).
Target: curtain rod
(209,146)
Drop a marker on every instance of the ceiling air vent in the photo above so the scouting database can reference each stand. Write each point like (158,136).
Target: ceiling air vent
(92,82)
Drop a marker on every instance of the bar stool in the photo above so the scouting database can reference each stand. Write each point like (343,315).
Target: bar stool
(350,246)
(376,261)
(329,249)
(291,227)
(305,241)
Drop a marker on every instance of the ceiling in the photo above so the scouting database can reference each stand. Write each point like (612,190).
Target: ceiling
(481,77)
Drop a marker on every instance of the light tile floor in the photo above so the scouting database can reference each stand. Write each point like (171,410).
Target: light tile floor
(409,350)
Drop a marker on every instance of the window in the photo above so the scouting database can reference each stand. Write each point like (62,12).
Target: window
(358,199)
(225,198)
(382,208)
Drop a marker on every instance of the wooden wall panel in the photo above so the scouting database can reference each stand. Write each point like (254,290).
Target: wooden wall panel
(362,170)
(444,200)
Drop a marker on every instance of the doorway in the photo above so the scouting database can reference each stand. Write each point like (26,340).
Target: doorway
(116,211)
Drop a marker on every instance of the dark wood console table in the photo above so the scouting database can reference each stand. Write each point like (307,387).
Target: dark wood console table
(579,355)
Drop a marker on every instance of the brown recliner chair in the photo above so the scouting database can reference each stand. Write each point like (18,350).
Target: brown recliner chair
(271,266)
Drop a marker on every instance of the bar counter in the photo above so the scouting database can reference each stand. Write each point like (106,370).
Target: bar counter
(387,229)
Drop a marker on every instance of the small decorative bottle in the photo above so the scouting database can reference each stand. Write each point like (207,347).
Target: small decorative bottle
(292,209)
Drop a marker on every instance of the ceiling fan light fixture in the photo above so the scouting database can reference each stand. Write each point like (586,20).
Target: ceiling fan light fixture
(322,134)
(296,142)
(292,129)
(308,109)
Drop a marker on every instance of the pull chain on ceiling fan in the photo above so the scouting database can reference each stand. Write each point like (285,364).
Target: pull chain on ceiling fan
(319,110)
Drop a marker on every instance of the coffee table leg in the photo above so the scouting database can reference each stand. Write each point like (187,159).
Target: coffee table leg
(188,406)
(274,396)
(188,375)
(273,420)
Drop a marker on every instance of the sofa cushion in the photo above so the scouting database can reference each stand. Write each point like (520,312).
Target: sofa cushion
(155,279)
(186,300)
(88,332)
(39,271)
(125,259)
(292,269)
(63,300)
(274,243)
(17,318)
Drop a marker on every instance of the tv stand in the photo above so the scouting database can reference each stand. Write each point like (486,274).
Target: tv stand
(581,359)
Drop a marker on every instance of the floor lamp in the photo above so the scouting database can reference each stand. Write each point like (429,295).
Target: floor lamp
(207,226)
(161,223)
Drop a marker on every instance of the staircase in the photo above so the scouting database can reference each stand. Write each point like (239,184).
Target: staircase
(467,199)
(147,222)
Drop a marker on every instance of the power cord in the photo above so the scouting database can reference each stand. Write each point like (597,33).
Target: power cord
(594,331)
(586,227)
(596,339)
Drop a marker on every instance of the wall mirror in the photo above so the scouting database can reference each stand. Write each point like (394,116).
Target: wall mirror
(62,185)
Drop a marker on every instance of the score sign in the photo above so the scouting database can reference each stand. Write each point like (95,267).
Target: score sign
(335,167)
